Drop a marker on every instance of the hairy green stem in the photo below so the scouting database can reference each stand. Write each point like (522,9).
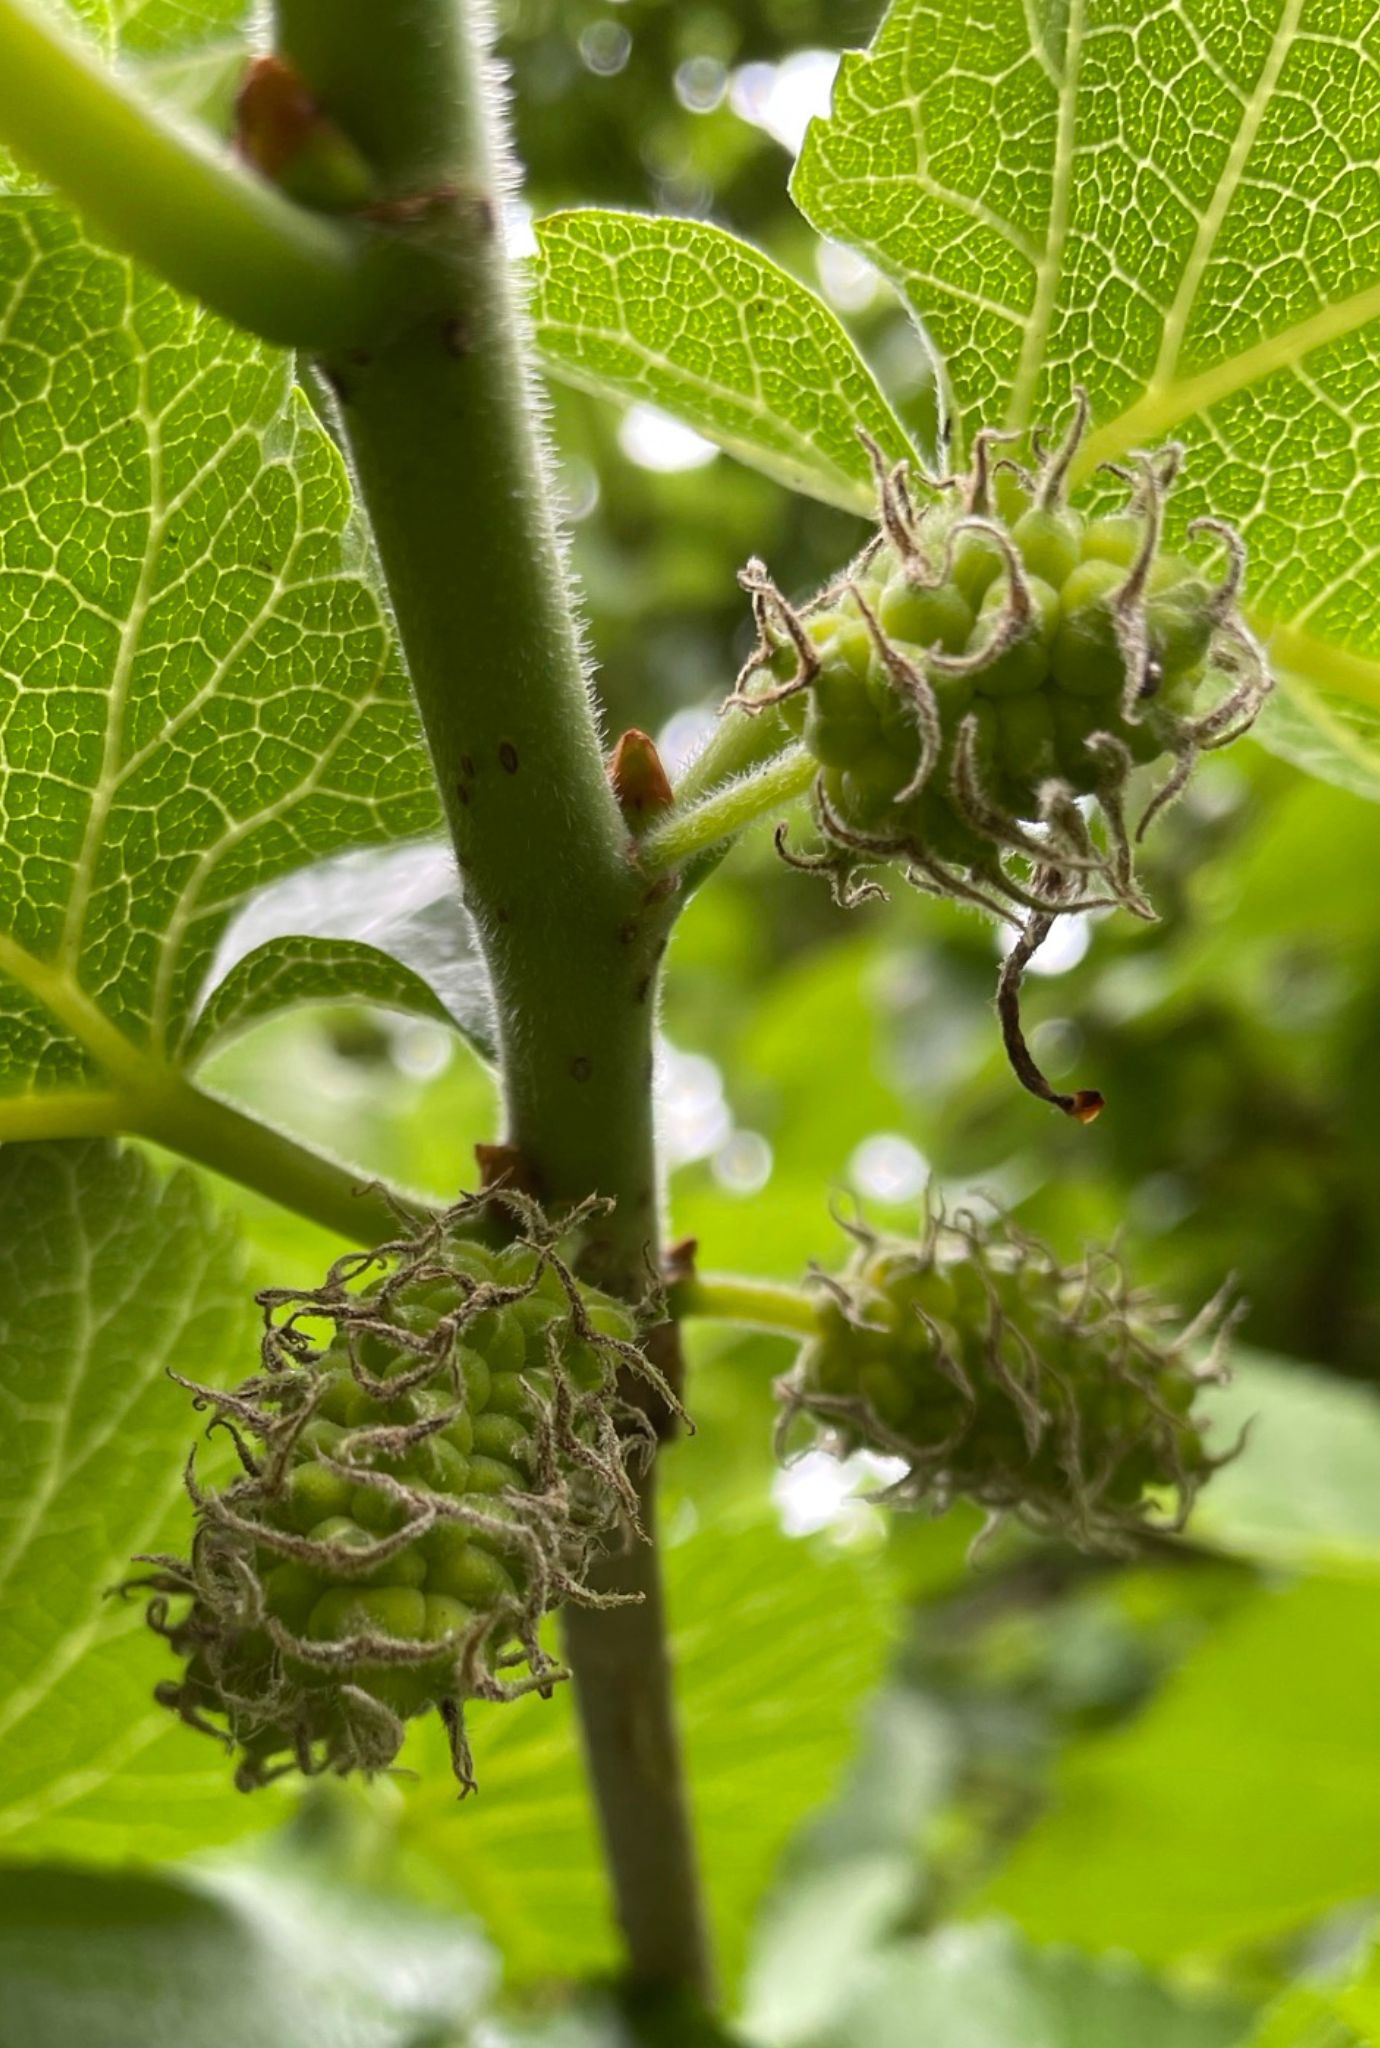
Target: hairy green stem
(440,428)
(684,835)
(741,741)
(179,203)
(62,1113)
(215,1134)
(751,1304)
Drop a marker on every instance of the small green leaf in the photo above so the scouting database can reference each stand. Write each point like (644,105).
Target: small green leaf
(1305,1491)
(288,972)
(230,1959)
(1175,208)
(689,318)
(109,1276)
(1242,1805)
(980,1987)
(775,1643)
(382,925)
(198,689)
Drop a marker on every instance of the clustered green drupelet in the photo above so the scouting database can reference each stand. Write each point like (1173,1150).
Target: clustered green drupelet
(993,660)
(995,1374)
(433,1447)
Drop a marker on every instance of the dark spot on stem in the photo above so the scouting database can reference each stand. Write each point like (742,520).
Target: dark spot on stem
(501,913)
(508,757)
(462,792)
(467,767)
(627,931)
(643,989)
(456,336)
(581,1067)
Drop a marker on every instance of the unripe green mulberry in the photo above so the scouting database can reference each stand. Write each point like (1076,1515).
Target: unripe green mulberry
(431,1450)
(992,658)
(999,1376)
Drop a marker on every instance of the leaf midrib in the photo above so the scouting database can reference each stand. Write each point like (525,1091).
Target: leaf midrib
(1162,407)
(1214,214)
(69,1004)
(1049,269)
(108,778)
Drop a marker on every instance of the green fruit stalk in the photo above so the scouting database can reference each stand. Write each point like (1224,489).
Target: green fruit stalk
(1054,1393)
(431,1452)
(992,665)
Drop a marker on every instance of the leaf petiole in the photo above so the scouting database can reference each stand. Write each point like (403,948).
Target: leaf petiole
(716,819)
(186,208)
(214,1134)
(750,1304)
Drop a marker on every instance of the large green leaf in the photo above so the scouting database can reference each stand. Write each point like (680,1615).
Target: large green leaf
(979,1987)
(235,1959)
(108,1277)
(775,1644)
(1243,1804)
(1175,206)
(690,318)
(198,690)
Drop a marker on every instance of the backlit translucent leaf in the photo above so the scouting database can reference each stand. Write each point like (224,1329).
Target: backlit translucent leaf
(1176,205)
(1333,734)
(686,316)
(198,691)
(775,1644)
(1241,1805)
(108,1277)
(385,925)
(139,28)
